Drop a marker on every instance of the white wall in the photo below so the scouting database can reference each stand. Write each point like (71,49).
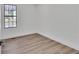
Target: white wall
(0,21)
(25,22)
(59,22)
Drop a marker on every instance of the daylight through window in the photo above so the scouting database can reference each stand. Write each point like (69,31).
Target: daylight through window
(10,16)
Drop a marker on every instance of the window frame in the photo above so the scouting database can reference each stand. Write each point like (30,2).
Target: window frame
(10,16)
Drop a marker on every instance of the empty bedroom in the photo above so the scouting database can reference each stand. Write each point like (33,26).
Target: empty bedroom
(39,29)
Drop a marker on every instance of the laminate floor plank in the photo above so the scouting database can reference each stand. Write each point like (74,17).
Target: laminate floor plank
(35,44)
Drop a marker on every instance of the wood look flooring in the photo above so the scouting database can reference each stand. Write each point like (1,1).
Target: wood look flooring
(35,44)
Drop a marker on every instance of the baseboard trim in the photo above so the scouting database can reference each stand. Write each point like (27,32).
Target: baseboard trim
(48,36)
(18,36)
(55,39)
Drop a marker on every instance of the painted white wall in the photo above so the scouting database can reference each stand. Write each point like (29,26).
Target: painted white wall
(59,22)
(25,22)
(0,21)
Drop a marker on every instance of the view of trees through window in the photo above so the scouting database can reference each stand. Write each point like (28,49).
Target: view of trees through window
(10,15)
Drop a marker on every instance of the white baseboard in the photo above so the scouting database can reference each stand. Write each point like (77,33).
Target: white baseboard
(17,36)
(60,41)
(51,37)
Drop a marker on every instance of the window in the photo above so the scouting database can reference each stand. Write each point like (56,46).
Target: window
(10,15)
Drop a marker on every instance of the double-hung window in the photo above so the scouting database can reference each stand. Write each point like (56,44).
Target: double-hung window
(10,15)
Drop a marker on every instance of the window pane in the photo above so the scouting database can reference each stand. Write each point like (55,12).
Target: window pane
(10,10)
(6,7)
(14,24)
(10,7)
(10,24)
(14,19)
(14,13)
(8,13)
(14,7)
(10,16)
(10,21)
(6,20)
(6,25)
